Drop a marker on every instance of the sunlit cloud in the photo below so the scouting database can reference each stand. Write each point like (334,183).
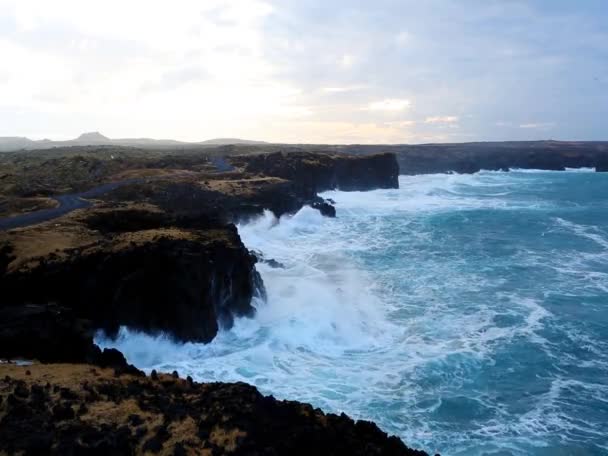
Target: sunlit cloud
(343,89)
(273,70)
(402,123)
(441,119)
(393,104)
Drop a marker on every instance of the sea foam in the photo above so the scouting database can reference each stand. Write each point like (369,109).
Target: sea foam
(464,313)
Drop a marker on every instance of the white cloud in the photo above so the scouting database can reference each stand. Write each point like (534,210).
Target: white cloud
(402,123)
(342,132)
(197,69)
(343,89)
(203,60)
(391,104)
(441,119)
(538,126)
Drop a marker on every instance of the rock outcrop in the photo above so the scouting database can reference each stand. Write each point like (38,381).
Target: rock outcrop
(313,173)
(52,334)
(81,409)
(133,266)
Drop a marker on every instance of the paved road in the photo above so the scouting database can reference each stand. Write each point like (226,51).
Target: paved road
(73,201)
(67,203)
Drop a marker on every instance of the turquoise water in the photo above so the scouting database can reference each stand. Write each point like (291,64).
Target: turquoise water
(467,314)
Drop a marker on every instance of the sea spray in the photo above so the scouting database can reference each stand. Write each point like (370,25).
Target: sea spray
(465,313)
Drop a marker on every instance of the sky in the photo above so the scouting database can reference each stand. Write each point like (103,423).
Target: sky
(305,71)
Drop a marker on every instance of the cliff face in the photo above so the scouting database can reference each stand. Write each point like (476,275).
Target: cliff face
(313,173)
(473,157)
(182,281)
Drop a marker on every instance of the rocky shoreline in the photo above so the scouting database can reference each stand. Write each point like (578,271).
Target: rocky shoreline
(163,254)
(160,253)
(465,158)
(68,409)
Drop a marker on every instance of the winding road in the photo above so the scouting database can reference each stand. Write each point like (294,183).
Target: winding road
(73,201)
(67,204)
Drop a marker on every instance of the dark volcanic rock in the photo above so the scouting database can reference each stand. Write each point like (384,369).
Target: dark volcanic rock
(53,334)
(324,208)
(132,415)
(184,282)
(46,333)
(313,173)
(176,265)
(472,157)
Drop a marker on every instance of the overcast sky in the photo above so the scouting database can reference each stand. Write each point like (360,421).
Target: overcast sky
(323,71)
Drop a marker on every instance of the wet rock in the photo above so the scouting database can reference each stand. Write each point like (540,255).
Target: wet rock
(274,263)
(325,208)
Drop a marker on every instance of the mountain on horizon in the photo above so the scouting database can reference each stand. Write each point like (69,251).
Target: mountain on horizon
(95,138)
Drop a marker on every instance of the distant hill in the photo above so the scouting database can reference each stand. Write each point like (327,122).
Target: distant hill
(95,138)
(8,143)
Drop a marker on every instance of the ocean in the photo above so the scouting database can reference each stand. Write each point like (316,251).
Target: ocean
(467,314)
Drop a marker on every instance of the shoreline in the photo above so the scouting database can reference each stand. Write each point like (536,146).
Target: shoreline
(128,260)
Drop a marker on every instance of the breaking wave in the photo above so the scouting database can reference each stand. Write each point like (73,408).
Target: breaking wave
(464,313)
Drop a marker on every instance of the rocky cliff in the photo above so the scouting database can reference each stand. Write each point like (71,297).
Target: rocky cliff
(158,254)
(313,173)
(133,266)
(472,157)
(162,254)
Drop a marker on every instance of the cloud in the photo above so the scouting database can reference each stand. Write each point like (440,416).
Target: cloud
(539,126)
(441,119)
(343,89)
(392,104)
(402,123)
(278,69)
